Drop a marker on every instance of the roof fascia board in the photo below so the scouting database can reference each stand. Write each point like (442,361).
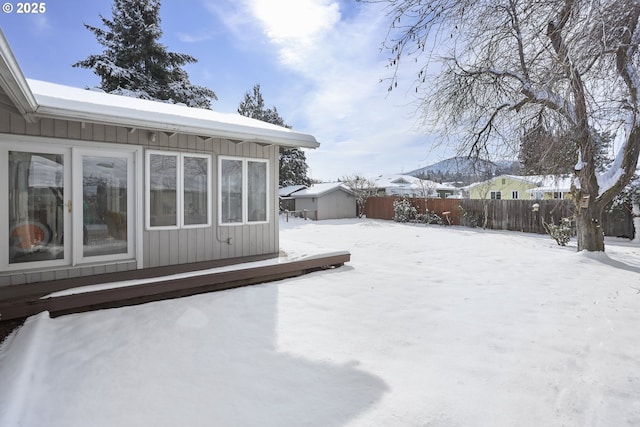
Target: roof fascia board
(240,133)
(165,123)
(14,83)
(322,193)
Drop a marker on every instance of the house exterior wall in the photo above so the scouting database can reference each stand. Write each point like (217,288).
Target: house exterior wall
(552,195)
(506,185)
(158,247)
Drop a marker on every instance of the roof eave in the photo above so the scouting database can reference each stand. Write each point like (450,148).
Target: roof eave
(162,122)
(13,81)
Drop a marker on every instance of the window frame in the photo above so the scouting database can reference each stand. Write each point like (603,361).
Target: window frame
(78,156)
(495,195)
(515,195)
(245,191)
(180,187)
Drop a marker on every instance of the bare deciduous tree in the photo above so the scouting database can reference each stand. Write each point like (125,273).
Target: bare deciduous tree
(362,187)
(505,65)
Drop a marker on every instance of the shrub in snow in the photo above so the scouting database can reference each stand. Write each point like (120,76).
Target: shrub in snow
(470,218)
(561,233)
(404,211)
(429,218)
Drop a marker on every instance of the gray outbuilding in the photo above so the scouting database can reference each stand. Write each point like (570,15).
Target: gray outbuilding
(326,201)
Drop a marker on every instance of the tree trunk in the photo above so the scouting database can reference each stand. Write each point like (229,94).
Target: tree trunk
(588,227)
(636,222)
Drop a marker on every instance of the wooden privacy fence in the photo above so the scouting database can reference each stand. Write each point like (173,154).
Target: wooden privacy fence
(382,207)
(514,215)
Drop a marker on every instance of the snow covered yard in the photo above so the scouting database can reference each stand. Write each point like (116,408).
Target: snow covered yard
(426,326)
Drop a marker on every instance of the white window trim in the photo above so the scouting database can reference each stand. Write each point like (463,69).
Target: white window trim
(209,190)
(34,147)
(515,193)
(179,190)
(129,157)
(245,191)
(67,147)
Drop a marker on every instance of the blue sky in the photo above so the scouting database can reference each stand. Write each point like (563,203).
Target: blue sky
(318,61)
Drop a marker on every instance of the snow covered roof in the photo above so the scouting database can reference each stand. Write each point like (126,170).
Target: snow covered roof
(39,99)
(553,183)
(528,179)
(287,191)
(317,190)
(545,183)
(409,181)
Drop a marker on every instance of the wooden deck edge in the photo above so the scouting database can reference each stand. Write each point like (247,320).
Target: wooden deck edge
(166,289)
(35,290)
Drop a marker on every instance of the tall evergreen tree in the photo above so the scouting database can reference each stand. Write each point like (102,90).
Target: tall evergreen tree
(293,162)
(135,63)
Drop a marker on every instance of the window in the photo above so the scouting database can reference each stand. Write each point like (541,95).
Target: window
(162,183)
(107,197)
(496,195)
(515,195)
(68,205)
(178,190)
(243,190)
(195,191)
(558,195)
(36,206)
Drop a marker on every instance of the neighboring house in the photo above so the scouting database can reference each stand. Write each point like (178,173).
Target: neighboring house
(552,187)
(326,201)
(515,187)
(410,186)
(97,183)
(287,203)
(505,187)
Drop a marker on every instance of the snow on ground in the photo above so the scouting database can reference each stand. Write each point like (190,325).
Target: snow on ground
(426,326)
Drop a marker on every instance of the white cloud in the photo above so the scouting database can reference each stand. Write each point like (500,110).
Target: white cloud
(236,18)
(361,128)
(194,38)
(295,21)
(40,23)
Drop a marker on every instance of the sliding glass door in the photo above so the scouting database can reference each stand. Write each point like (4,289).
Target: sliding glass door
(37,213)
(65,205)
(103,221)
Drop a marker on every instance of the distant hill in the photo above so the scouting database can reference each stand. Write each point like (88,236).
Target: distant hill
(465,170)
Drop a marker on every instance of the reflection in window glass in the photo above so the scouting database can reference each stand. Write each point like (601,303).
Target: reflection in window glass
(163,180)
(257,191)
(196,182)
(104,205)
(36,207)
(231,191)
